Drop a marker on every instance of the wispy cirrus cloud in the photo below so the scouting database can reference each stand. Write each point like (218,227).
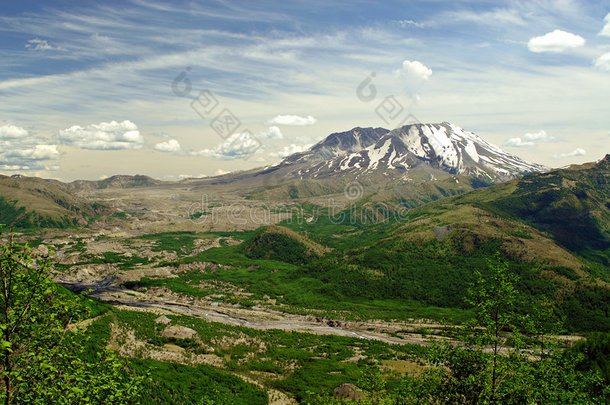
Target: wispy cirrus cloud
(492,17)
(410,23)
(41,45)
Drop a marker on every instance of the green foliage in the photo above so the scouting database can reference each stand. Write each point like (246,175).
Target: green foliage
(432,273)
(120,215)
(176,383)
(588,309)
(354,231)
(501,357)
(522,235)
(495,363)
(298,288)
(272,245)
(40,354)
(570,205)
(64,378)
(437,273)
(199,214)
(124,262)
(186,284)
(595,355)
(178,242)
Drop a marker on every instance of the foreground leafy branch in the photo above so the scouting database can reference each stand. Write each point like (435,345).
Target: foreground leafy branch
(42,357)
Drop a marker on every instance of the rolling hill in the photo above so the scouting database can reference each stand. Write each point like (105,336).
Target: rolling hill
(30,202)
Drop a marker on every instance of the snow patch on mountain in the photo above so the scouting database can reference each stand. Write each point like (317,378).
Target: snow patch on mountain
(441,146)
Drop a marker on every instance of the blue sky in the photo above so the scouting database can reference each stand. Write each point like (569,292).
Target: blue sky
(86,87)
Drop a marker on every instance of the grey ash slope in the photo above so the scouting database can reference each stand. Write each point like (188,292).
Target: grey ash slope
(444,147)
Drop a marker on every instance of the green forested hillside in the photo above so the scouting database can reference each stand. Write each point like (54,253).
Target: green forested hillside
(572,205)
(282,244)
(552,228)
(30,202)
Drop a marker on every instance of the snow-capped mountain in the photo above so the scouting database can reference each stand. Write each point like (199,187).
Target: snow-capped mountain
(441,146)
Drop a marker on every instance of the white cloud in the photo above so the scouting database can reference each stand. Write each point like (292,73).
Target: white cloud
(237,146)
(606,30)
(273,133)
(168,146)
(556,41)
(241,145)
(410,23)
(289,150)
(293,120)
(19,150)
(517,143)
(415,69)
(34,152)
(103,136)
(189,176)
(220,172)
(576,152)
(603,62)
(43,152)
(529,139)
(12,132)
(41,45)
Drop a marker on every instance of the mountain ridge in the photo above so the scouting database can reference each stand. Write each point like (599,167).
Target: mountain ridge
(442,146)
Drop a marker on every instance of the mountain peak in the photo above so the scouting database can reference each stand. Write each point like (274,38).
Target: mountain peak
(443,146)
(339,144)
(353,140)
